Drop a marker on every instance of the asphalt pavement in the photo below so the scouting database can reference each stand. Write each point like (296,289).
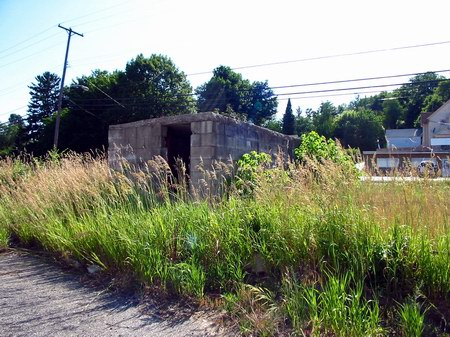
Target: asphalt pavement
(40,298)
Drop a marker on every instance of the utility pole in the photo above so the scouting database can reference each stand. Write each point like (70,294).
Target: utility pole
(58,113)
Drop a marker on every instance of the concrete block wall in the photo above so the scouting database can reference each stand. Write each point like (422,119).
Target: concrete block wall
(135,144)
(213,138)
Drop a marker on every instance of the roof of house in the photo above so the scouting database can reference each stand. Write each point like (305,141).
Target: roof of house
(403,133)
(428,116)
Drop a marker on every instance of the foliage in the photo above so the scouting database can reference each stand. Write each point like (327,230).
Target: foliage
(12,135)
(411,319)
(360,129)
(289,120)
(228,90)
(148,87)
(43,103)
(274,125)
(317,147)
(337,253)
(303,123)
(392,112)
(249,167)
(155,87)
(324,119)
(412,95)
(440,95)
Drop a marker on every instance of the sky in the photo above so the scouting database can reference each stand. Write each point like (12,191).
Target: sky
(309,42)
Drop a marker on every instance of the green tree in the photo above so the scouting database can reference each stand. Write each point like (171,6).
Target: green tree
(392,112)
(361,129)
(225,88)
(262,103)
(289,120)
(154,87)
(149,87)
(317,147)
(274,125)
(324,119)
(303,123)
(412,96)
(94,102)
(228,90)
(43,103)
(11,135)
(440,95)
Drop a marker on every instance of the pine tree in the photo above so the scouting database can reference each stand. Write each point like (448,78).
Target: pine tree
(43,103)
(289,120)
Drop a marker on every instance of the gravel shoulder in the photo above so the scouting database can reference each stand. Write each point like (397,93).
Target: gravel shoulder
(39,298)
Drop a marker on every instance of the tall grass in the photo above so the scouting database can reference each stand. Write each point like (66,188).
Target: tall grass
(326,252)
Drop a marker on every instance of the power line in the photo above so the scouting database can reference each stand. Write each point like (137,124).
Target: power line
(308,84)
(28,46)
(358,79)
(26,40)
(358,88)
(330,56)
(26,57)
(95,12)
(136,102)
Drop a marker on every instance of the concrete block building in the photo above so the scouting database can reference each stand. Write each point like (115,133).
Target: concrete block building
(205,137)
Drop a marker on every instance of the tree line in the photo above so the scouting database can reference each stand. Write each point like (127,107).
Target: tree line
(362,122)
(153,86)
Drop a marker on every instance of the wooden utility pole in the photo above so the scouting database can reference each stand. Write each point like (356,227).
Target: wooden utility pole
(58,113)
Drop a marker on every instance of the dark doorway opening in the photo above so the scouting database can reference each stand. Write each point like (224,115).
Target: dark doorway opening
(179,146)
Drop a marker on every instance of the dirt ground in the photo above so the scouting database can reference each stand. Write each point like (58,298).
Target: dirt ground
(40,298)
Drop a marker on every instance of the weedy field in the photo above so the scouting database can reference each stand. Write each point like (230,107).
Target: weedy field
(307,250)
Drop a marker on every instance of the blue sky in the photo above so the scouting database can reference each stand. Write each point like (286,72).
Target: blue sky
(200,35)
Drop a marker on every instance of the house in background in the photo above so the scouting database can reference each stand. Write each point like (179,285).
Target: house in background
(409,147)
(403,138)
(436,128)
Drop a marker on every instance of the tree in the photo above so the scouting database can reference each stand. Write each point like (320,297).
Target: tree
(359,129)
(289,120)
(228,90)
(154,87)
(392,112)
(149,87)
(43,103)
(94,103)
(323,119)
(413,94)
(274,125)
(262,103)
(11,135)
(225,88)
(303,122)
(317,147)
(440,95)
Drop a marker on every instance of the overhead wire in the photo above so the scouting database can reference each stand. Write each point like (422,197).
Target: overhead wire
(330,56)
(28,39)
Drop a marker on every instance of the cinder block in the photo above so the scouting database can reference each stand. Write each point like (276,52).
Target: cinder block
(231,142)
(154,141)
(196,127)
(220,140)
(219,128)
(206,126)
(205,152)
(230,130)
(130,137)
(156,130)
(223,153)
(196,140)
(208,139)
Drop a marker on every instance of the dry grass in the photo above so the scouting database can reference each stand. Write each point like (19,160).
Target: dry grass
(310,226)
